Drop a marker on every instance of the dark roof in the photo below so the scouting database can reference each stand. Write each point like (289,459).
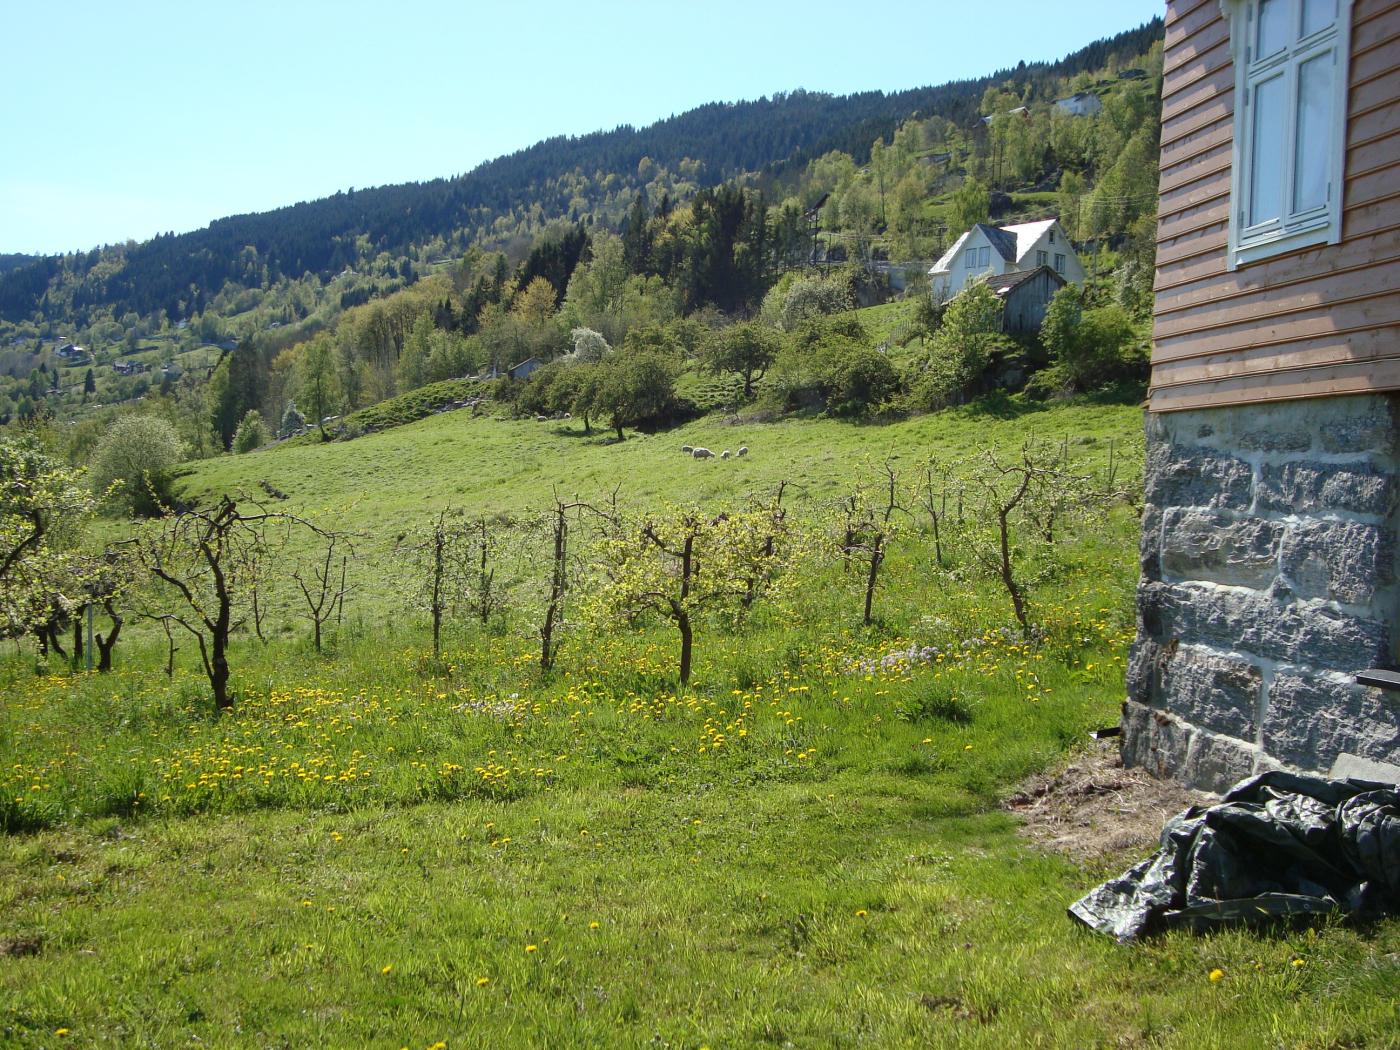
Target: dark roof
(1003,242)
(1003,284)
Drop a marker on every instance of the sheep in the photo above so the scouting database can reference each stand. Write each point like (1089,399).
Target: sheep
(702,453)
(743,450)
(541,419)
(687,449)
(725,454)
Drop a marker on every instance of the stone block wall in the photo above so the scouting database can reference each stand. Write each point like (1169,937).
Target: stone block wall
(1269,578)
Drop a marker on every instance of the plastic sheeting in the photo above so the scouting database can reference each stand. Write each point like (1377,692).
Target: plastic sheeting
(1278,844)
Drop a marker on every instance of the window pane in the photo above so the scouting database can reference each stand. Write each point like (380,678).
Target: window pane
(1267,154)
(1314,133)
(1318,14)
(1274,30)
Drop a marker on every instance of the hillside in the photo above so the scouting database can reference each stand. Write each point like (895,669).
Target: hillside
(592,176)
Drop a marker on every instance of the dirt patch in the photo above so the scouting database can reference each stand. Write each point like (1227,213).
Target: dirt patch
(24,944)
(1092,808)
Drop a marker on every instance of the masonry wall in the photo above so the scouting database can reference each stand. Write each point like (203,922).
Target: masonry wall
(1269,578)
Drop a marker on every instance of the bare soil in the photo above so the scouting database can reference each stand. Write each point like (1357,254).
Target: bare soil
(1092,809)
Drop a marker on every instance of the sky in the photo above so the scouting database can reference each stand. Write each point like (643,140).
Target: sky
(126,120)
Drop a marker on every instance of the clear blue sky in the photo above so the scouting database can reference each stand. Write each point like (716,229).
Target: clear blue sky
(124,120)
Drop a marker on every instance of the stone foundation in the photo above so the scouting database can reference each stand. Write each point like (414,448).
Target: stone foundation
(1269,579)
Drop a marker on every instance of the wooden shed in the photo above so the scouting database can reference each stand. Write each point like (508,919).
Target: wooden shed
(1025,296)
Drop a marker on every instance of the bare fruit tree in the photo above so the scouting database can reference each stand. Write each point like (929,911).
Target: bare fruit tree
(322,583)
(1023,495)
(208,558)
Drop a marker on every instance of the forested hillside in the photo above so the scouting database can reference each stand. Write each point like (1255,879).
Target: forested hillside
(780,211)
(588,178)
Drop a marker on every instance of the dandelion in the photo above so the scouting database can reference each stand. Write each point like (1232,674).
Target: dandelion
(386,970)
(1298,963)
(531,948)
(482,982)
(861,913)
(60,1031)
(1217,975)
(594,926)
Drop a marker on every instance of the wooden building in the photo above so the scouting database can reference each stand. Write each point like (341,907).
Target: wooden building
(1025,295)
(1231,326)
(1269,554)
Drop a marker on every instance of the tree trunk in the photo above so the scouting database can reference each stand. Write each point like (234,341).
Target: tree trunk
(687,642)
(877,555)
(106,645)
(1008,577)
(218,672)
(556,588)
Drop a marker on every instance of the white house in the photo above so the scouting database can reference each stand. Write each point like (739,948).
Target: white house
(992,251)
(1080,104)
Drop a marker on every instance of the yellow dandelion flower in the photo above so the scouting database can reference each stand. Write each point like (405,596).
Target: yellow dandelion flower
(1299,962)
(861,913)
(385,971)
(482,982)
(60,1031)
(531,948)
(1216,975)
(594,926)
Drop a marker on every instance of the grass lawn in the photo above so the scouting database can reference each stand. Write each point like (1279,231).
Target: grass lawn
(804,848)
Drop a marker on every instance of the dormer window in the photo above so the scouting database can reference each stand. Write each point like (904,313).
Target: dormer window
(1290,128)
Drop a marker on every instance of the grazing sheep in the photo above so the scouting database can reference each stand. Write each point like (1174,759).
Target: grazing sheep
(568,415)
(687,449)
(743,450)
(725,454)
(702,453)
(541,419)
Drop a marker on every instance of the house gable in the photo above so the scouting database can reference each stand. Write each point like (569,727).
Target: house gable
(990,251)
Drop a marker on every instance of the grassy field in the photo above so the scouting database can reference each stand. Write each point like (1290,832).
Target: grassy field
(804,848)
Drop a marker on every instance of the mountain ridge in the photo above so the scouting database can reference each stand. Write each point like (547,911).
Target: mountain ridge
(705,146)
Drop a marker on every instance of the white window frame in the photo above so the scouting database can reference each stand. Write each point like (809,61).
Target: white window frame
(1293,230)
(1042,258)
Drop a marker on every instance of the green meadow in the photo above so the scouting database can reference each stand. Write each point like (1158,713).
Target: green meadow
(804,847)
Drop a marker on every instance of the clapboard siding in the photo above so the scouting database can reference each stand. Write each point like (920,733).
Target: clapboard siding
(1321,321)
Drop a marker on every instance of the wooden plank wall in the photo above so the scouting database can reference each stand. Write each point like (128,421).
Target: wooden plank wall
(1321,321)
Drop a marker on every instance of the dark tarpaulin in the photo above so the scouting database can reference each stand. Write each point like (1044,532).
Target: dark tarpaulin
(1277,844)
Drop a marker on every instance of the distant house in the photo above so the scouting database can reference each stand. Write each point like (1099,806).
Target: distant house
(992,251)
(523,369)
(128,368)
(1268,619)
(71,352)
(1025,294)
(1080,104)
(1019,111)
(1132,74)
